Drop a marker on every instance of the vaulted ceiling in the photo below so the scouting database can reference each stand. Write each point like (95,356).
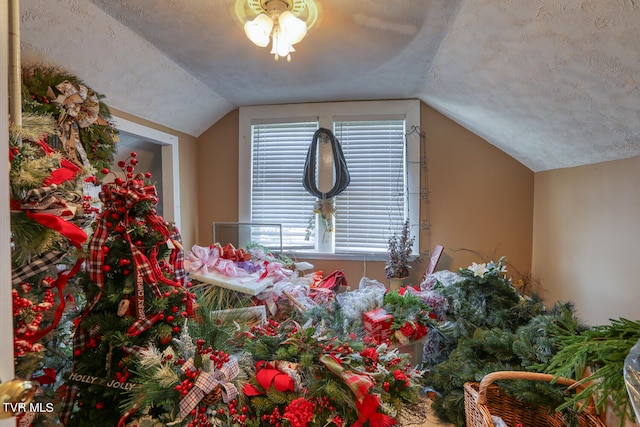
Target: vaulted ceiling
(553,83)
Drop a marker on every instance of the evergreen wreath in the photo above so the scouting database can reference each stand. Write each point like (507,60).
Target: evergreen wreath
(42,95)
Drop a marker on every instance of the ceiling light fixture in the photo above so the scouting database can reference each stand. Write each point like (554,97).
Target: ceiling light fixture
(277,22)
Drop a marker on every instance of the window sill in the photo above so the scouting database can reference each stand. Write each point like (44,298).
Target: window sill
(302,256)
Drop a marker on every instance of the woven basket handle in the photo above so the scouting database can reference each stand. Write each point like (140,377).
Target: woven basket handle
(517,375)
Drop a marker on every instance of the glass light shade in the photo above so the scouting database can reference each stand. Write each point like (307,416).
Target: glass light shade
(259,30)
(281,45)
(293,27)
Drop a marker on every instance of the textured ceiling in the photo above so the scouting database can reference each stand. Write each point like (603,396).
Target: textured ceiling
(552,83)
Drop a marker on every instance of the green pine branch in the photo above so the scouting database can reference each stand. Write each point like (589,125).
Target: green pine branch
(596,357)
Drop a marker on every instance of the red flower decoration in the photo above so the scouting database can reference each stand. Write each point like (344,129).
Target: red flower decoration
(299,412)
(407,329)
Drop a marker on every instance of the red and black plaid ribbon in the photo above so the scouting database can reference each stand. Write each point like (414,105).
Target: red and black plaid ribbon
(118,199)
(70,391)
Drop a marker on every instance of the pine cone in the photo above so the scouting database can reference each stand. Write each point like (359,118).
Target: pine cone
(213,397)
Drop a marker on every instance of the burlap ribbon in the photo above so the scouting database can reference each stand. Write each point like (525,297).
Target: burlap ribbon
(81,109)
(206,382)
(78,102)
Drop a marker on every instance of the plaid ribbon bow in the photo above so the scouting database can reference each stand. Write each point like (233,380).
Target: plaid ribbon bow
(118,198)
(206,382)
(366,404)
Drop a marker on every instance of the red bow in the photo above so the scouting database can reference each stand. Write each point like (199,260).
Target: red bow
(231,253)
(69,230)
(368,413)
(268,376)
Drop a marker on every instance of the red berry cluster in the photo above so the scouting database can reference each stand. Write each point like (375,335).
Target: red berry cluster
(123,374)
(29,317)
(219,358)
(269,328)
(238,416)
(371,358)
(127,165)
(187,384)
(274,418)
(199,417)
(342,349)
(86,205)
(40,98)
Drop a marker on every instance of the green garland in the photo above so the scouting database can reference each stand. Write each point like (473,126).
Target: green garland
(491,327)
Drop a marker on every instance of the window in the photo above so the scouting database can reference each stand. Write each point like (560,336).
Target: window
(384,169)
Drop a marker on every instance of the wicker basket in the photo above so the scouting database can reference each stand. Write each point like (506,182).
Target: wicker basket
(484,399)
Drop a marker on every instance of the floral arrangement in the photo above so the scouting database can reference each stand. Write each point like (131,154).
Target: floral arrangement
(411,315)
(189,383)
(486,269)
(282,374)
(305,376)
(399,250)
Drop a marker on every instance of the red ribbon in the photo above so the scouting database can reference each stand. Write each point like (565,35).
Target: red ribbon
(268,376)
(62,226)
(48,377)
(368,413)
(231,253)
(59,284)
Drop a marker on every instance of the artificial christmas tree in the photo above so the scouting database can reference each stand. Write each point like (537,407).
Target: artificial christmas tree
(50,218)
(136,295)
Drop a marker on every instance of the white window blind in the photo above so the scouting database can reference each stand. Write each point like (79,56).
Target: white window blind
(383,161)
(279,151)
(373,204)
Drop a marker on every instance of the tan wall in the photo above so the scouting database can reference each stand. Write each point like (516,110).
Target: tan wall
(586,234)
(188,183)
(217,166)
(480,198)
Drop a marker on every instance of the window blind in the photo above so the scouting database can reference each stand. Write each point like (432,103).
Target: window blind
(278,155)
(373,205)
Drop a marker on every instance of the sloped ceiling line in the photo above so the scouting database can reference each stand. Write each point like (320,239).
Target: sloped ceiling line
(553,83)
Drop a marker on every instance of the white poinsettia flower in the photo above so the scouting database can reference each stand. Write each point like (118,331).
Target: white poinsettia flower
(479,270)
